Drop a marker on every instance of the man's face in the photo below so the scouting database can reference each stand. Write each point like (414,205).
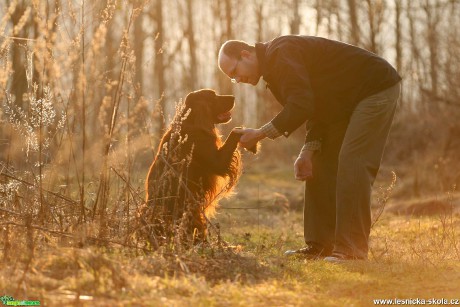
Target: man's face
(242,70)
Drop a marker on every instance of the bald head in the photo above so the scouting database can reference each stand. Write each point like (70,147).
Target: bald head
(238,60)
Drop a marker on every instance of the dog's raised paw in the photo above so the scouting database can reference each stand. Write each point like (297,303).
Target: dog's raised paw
(254,149)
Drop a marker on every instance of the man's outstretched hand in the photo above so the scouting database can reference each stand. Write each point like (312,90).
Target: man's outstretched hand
(249,138)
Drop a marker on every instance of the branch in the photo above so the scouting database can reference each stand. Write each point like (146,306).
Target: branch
(69,235)
(35,186)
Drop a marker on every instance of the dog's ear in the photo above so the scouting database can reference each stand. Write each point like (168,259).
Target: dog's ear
(190,99)
(199,111)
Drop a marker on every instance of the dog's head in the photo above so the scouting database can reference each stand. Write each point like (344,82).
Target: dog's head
(208,108)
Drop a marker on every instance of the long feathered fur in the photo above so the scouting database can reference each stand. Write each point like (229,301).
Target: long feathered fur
(193,169)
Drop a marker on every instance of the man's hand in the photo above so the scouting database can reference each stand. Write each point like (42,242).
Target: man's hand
(303,169)
(249,137)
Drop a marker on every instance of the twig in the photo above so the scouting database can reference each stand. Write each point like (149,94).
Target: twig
(131,189)
(69,235)
(6,243)
(83,113)
(18,38)
(30,246)
(101,193)
(385,198)
(10,212)
(35,186)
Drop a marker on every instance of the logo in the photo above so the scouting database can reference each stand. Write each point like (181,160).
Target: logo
(6,298)
(10,301)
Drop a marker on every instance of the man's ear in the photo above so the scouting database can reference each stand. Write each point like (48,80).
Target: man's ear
(245,53)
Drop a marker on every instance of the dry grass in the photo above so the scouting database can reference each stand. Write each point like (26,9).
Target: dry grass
(410,257)
(254,272)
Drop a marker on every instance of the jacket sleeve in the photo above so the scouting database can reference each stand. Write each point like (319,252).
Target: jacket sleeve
(314,137)
(315,131)
(292,82)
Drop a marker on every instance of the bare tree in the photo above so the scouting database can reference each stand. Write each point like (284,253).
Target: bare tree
(223,13)
(160,67)
(417,73)
(398,35)
(319,14)
(355,32)
(375,12)
(259,9)
(398,41)
(228,18)
(193,77)
(295,20)
(139,37)
(19,51)
(336,8)
(259,12)
(433,17)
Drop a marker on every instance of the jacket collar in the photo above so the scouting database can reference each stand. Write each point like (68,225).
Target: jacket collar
(261,49)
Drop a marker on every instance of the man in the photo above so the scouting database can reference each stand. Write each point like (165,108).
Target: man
(347,96)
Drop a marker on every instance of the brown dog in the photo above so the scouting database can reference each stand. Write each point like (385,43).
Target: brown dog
(192,170)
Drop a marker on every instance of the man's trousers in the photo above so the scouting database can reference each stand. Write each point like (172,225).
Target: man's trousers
(337,214)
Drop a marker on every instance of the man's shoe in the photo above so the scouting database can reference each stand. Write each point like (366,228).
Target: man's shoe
(340,258)
(307,252)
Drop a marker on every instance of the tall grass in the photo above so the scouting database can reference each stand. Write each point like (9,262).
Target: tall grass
(63,172)
(79,145)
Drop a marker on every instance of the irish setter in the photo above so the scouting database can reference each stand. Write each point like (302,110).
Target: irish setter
(192,169)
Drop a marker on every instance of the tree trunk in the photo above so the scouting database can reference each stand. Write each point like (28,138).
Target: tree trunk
(372,31)
(18,51)
(193,77)
(432,16)
(355,31)
(398,9)
(139,37)
(398,38)
(224,84)
(337,10)
(295,22)
(319,13)
(159,60)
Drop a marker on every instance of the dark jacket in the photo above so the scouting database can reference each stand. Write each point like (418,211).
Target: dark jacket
(319,80)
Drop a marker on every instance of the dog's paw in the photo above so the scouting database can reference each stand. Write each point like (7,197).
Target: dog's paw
(238,130)
(235,136)
(254,149)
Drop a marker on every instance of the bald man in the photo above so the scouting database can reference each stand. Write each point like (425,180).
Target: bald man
(347,97)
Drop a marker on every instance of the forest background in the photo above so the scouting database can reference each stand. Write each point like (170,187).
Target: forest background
(88,87)
(109,74)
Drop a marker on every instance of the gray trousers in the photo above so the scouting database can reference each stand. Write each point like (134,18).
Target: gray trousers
(337,215)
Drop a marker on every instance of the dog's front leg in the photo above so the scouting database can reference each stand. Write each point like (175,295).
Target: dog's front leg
(217,160)
(225,152)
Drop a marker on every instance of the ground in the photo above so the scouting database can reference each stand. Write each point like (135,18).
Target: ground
(411,257)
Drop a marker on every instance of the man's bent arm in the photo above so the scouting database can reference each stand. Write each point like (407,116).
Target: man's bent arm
(270,131)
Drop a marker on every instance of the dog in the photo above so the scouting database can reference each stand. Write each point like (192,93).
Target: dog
(193,169)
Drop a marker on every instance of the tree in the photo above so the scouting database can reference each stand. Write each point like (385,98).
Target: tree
(193,77)
(355,32)
(375,13)
(295,20)
(160,67)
